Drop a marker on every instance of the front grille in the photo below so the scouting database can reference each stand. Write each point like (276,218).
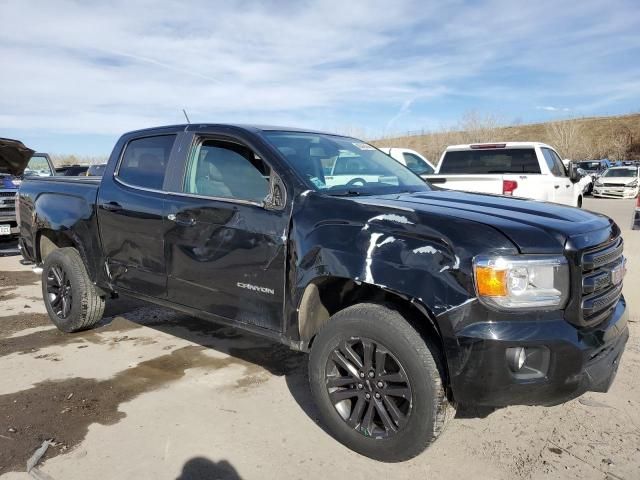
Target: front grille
(601,290)
(8,194)
(614,184)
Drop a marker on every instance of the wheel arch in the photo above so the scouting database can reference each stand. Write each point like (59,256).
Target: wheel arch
(326,296)
(48,240)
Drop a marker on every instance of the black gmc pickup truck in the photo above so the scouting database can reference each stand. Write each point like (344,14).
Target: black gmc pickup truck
(410,299)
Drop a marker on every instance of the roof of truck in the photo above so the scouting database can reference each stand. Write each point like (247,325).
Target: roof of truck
(497,145)
(243,126)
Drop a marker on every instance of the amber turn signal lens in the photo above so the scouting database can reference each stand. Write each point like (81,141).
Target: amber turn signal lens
(490,282)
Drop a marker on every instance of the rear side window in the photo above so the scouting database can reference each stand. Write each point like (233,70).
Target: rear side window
(498,161)
(145,161)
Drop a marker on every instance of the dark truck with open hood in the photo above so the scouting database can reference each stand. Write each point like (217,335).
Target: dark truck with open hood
(410,299)
(16,161)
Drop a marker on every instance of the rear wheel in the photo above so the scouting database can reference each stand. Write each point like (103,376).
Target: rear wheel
(69,296)
(377,383)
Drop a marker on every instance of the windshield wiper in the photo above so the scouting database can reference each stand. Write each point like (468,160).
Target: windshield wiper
(345,193)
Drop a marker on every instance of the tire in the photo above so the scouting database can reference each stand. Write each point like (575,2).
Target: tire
(426,409)
(84,307)
(579,205)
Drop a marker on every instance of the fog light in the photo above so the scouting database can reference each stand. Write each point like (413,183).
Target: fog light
(528,363)
(516,357)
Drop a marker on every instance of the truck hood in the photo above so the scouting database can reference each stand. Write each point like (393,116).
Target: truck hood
(618,180)
(14,156)
(533,226)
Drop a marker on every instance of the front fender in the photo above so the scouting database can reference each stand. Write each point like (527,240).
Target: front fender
(423,258)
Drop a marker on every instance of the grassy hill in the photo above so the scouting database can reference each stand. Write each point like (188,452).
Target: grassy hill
(616,137)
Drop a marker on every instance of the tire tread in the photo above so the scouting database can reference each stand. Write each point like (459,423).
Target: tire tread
(92,305)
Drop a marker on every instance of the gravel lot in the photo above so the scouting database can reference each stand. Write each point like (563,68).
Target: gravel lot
(156,394)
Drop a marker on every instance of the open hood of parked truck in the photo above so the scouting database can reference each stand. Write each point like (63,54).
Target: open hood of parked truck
(14,156)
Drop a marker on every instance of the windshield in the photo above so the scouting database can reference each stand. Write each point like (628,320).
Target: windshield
(344,166)
(494,161)
(589,166)
(621,172)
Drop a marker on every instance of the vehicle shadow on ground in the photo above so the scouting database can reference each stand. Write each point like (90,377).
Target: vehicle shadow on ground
(200,468)
(276,358)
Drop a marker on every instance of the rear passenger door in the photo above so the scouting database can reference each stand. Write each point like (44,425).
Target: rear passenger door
(131,213)
(226,250)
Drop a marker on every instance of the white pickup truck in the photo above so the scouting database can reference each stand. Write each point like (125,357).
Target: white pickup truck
(523,169)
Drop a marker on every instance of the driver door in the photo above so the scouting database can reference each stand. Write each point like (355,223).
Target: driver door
(225,251)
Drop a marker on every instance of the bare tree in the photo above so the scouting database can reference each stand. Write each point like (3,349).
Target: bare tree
(476,128)
(618,142)
(567,137)
(61,160)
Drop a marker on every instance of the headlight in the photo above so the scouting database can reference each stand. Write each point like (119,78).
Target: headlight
(598,183)
(535,282)
(633,184)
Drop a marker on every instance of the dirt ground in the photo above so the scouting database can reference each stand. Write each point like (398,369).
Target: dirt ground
(156,394)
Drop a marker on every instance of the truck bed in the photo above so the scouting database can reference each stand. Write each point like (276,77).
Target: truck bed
(60,204)
(61,179)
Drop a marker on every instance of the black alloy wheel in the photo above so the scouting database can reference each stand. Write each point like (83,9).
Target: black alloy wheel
(368,387)
(59,291)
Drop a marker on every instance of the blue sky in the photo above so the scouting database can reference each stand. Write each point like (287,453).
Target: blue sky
(77,74)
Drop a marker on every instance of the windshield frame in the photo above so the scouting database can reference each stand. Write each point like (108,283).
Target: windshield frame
(408,181)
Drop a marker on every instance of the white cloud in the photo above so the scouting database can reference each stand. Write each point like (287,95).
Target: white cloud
(107,67)
(550,108)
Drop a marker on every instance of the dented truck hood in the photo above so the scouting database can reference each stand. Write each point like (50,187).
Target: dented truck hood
(14,156)
(532,226)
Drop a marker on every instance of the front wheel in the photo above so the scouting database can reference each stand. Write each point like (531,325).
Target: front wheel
(377,383)
(71,300)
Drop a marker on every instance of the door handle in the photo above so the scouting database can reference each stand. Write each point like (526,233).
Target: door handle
(183,220)
(111,206)
(567,186)
(557,186)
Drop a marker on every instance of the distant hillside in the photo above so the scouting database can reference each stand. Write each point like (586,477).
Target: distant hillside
(616,138)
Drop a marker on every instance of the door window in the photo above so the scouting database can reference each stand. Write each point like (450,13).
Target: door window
(227,170)
(145,160)
(38,166)
(554,163)
(559,165)
(416,164)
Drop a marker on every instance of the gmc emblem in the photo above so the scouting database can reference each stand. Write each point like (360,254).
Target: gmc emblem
(618,272)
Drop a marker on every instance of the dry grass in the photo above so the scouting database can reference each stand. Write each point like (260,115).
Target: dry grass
(60,160)
(615,137)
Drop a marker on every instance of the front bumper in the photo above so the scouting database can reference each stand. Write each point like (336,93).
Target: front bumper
(615,192)
(581,360)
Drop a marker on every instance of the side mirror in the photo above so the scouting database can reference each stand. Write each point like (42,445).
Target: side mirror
(574,176)
(277,197)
